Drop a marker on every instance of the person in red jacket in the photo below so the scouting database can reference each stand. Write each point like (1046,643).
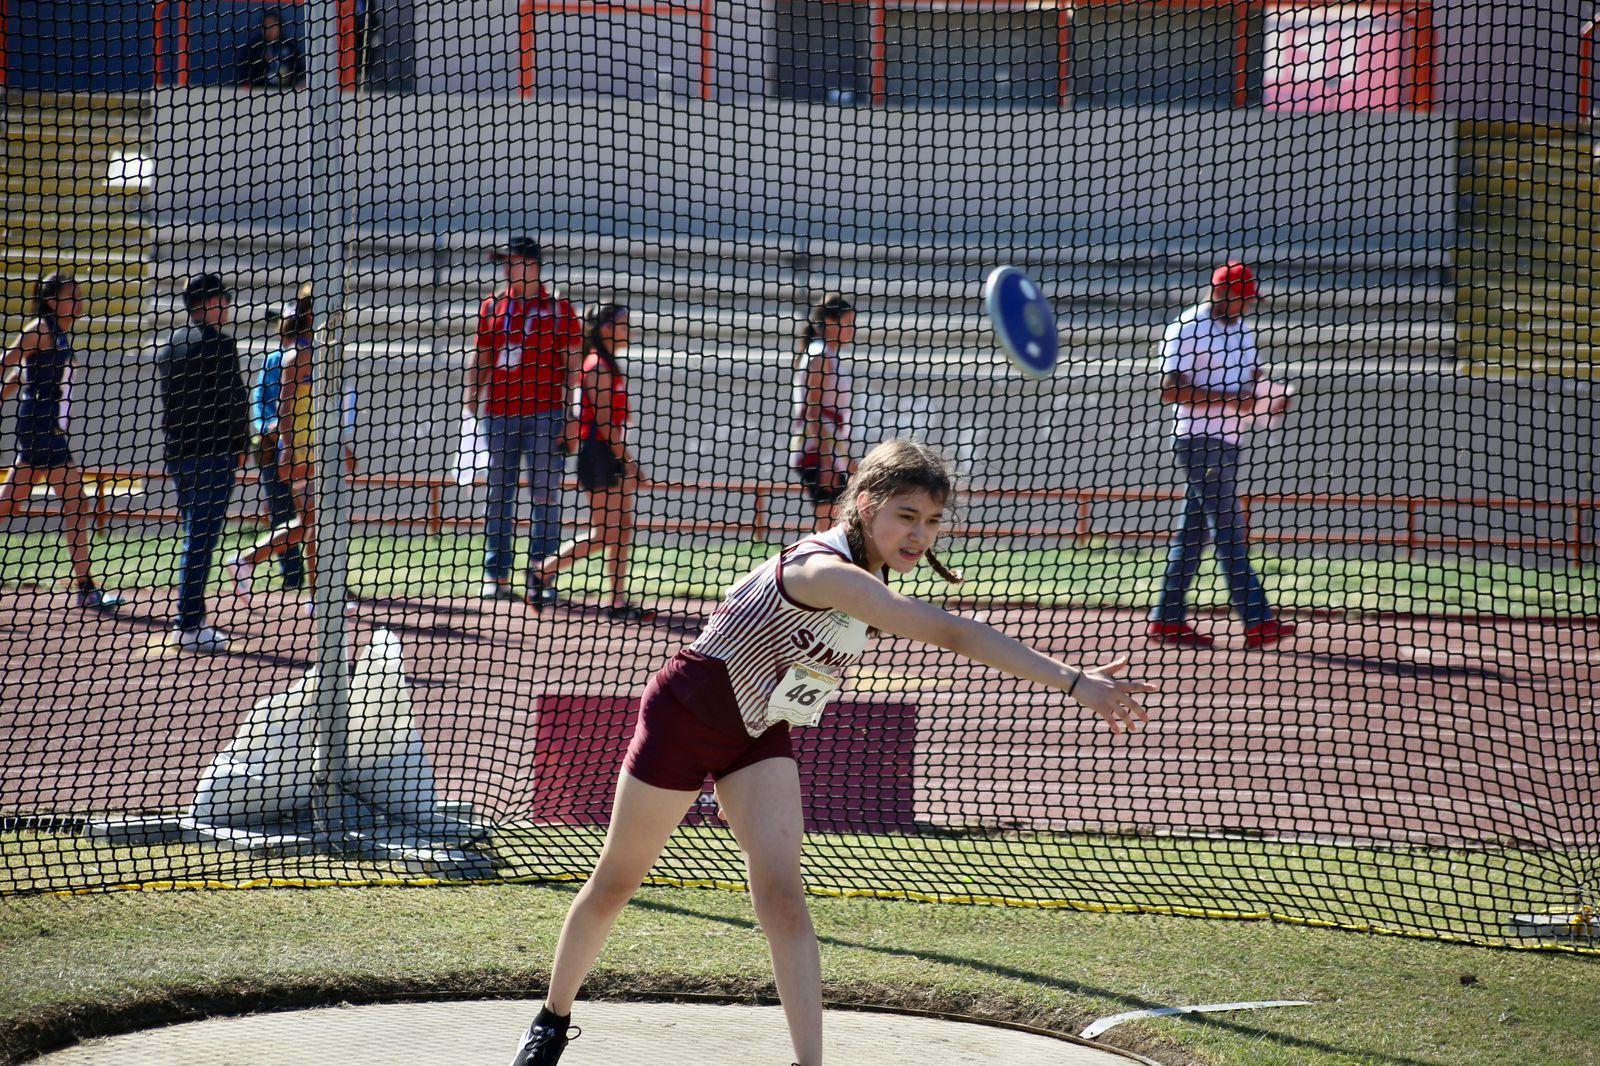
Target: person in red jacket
(528,359)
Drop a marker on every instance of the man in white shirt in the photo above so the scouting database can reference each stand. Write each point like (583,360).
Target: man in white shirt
(1209,370)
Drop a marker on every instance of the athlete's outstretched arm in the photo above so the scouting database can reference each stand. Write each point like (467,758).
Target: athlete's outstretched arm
(829,582)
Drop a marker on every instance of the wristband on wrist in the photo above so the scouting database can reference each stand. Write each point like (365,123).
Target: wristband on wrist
(1074,686)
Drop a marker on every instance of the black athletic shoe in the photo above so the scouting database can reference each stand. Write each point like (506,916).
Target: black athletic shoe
(540,595)
(629,613)
(543,1043)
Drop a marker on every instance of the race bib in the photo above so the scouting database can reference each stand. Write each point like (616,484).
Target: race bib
(801,696)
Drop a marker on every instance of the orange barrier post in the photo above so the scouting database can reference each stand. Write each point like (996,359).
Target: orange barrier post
(1575,544)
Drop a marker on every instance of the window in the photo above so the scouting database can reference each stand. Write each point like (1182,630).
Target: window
(616,51)
(1130,56)
(963,57)
(819,52)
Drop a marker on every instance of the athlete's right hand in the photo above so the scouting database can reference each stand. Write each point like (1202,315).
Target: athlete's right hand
(1113,698)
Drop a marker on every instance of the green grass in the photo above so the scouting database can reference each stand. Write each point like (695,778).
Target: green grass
(116,960)
(1096,575)
(1443,893)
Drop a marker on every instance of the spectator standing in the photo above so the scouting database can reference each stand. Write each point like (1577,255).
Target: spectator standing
(1209,371)
(606,469)
(527,363)
(40,364)
(294,334)
(206,427)
(296,454)
(271,59)
(819,449)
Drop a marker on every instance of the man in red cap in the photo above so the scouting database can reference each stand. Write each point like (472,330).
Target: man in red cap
(1209,370)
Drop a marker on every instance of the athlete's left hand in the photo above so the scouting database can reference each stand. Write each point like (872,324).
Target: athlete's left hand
(1112,697)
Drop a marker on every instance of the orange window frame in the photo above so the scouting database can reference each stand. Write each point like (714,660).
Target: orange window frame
(180,49)
(1419,12)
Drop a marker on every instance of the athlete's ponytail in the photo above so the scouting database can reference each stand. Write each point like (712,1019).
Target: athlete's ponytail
(295,321)
(831,308)
(894,467)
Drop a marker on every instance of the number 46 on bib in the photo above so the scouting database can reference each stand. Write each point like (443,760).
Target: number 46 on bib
(801,696)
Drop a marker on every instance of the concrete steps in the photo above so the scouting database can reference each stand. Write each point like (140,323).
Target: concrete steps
(60,147)
(1528,265)
(454,291)
(23,193)
(87,261)
(59,213)
(450,327)
(52,170)
(21,133)
(80,103)
(62,231)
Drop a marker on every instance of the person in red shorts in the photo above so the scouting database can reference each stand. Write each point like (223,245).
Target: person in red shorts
(771,656)
(528,358)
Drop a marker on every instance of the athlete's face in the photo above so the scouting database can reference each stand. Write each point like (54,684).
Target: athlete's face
(213,311)
(842,332)
(69,305)
(522,273)
(903,529)
(616,332)
(1232,301)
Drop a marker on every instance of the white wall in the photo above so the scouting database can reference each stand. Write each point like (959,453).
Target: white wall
(786,170)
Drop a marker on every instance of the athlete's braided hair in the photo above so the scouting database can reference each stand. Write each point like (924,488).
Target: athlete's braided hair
(893,467)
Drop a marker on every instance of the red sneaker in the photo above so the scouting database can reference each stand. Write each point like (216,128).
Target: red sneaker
(1180,634)
(1269,632)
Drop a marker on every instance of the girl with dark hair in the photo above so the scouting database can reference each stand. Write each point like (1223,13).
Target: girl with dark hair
(296,459)
(294,332)
(40,363)
(819,448)
(772,656)
(606,470)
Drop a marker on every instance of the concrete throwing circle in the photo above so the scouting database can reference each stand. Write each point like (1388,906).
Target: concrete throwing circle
(468,1033)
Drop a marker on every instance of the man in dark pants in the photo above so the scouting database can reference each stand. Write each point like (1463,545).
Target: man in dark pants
(1209,371)
(206,425)
(525,372)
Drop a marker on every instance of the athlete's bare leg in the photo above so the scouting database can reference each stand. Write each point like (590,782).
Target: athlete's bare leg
(642,818)
(762,804)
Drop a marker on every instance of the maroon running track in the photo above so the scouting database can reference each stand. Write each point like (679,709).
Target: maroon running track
(1393,729)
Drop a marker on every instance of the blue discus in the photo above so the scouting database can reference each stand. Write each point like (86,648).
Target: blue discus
(1023,321)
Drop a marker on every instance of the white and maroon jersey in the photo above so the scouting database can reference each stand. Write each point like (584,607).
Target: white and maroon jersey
(758,632)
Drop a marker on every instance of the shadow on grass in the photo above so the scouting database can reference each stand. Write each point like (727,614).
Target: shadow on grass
(1043,980)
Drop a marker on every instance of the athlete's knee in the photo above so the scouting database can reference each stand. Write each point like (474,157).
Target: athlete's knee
(780,903)
(610,892)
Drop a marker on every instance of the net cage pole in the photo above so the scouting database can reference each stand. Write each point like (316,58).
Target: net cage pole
(330,127)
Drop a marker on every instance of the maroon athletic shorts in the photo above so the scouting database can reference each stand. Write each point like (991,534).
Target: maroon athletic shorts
(689,728)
